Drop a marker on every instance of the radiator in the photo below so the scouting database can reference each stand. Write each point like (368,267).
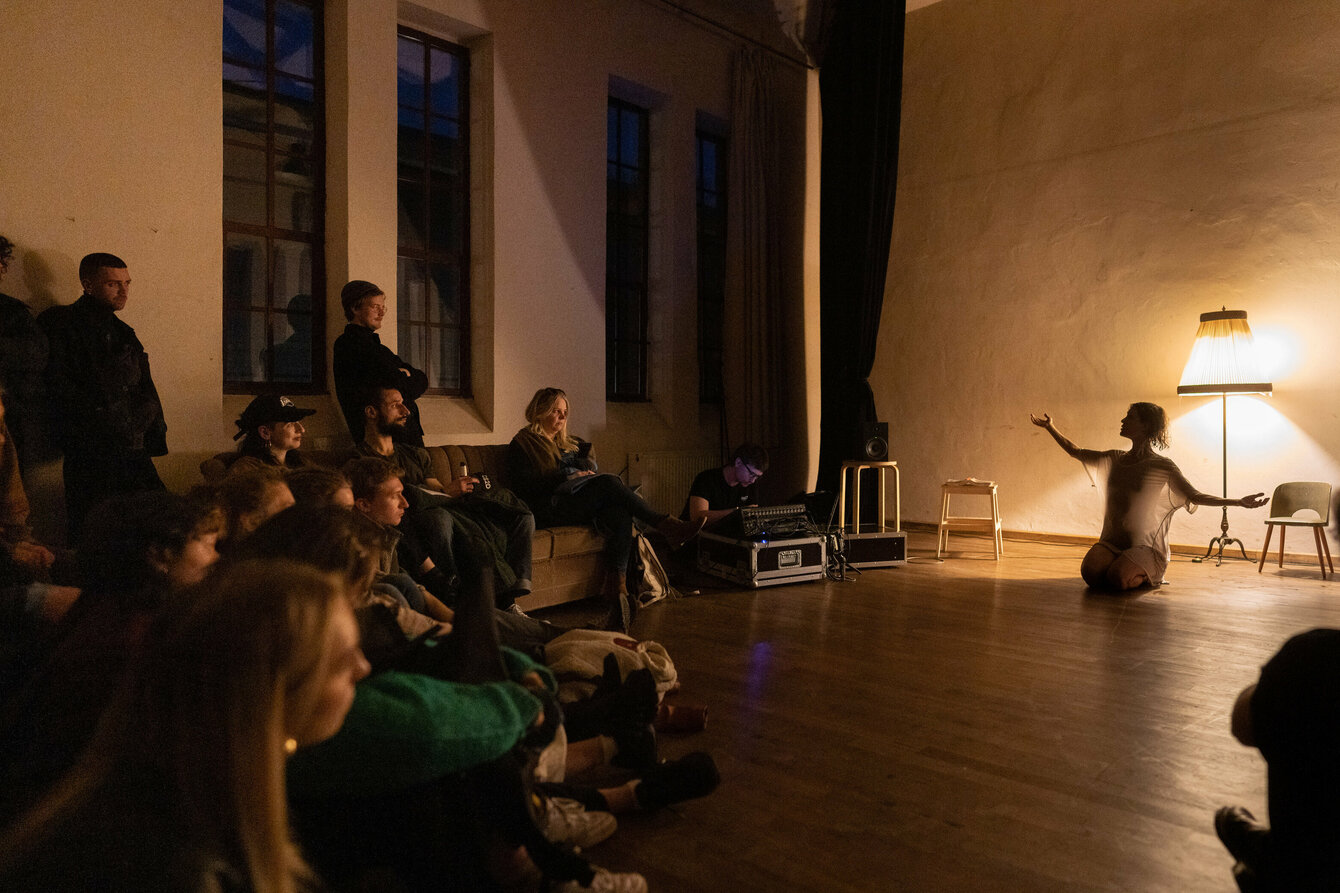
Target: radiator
(665,476)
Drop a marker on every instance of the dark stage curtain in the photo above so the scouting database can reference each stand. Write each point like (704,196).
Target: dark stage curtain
(860,88)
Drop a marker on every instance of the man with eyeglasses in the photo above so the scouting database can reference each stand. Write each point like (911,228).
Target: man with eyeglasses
(717,492)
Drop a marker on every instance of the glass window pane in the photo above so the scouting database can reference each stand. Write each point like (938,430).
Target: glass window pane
(411,145)
(445,306)
(632,256)
(446,224)
(707,165)
(446,97)
(295,196)
(244,185)
(629,136)
(244,31)
(291,356)
(412,346)
(410,232)
(444,147)
(244,116)
(295,39)
(244,270)
(409,72)
(446,358)
(244,337)
(630,316)
(411,290)
(292,270)
(294,111)
(612,135)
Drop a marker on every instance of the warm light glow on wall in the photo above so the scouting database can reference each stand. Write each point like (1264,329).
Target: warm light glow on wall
(1280,352)
(1255,431)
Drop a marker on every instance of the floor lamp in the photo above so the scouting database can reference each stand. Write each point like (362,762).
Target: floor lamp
(1223,361)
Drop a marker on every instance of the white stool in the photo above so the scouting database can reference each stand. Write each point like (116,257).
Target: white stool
(970,487)
(856,467)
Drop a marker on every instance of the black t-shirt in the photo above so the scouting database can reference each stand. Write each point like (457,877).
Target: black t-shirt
(711,485)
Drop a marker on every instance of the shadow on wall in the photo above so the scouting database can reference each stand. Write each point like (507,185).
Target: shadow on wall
(39,280)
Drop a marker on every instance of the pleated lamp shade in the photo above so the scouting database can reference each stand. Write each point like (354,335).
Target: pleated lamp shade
(1223,359)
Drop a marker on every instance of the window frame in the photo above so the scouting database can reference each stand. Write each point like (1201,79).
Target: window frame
(623,292)
(428,255)
(270,232)
(712,288)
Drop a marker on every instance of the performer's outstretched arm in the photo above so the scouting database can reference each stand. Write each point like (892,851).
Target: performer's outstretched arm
(1046,422)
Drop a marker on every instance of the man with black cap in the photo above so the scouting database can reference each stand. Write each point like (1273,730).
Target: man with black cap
(363,362)
(271,431)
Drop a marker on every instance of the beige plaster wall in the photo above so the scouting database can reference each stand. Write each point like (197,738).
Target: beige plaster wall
(1077,185)
(111,140)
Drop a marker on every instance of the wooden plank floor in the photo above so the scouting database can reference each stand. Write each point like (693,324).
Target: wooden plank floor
(967,725)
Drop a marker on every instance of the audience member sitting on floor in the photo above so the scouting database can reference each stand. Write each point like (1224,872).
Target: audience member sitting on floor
(495,519)
(22,558)
(349,545)
(138,552)
(445,752)
(717,492)
(247,499)
(183,787)
(320,486)
(1292,714)
(1142,492)
(379,494)
(361,362)
(30,604)
(556,476)
(271,431)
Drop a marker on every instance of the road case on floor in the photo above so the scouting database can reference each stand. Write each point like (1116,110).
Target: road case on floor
(876,548)
(766,563)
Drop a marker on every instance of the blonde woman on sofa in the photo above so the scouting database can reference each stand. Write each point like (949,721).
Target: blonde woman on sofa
(554,473)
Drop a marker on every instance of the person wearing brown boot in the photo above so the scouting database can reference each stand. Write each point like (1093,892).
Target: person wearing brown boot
(553,472)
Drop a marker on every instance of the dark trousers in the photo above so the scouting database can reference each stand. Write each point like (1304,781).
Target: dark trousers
(606,500)
(518,524)
(94,476)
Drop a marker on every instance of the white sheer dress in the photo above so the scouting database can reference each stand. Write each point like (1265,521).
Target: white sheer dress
(1142,495)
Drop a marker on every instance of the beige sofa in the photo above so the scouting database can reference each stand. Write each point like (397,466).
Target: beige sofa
(567,563)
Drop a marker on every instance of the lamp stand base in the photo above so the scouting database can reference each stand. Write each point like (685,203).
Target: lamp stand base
(1223,540)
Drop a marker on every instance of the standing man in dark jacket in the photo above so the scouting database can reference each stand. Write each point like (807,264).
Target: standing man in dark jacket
(362,362)
(104,409)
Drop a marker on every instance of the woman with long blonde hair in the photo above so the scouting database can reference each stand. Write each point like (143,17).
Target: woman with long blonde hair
(554,473)
(183,785)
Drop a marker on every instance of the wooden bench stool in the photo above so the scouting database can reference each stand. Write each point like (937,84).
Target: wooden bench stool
(991,524)
(856,467)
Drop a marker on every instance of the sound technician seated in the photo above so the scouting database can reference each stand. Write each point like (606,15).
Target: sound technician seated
(717,492)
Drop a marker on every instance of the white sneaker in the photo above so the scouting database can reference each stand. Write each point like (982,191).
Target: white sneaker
(608,882)
(567,821)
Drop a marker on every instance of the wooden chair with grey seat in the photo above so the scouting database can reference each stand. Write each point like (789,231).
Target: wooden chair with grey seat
(1313,500)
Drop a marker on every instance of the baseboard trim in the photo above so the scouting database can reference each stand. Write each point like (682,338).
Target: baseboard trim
(1070,539)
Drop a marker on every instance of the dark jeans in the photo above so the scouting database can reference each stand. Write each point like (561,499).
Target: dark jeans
(518,524)
(606,500)
(94,476)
